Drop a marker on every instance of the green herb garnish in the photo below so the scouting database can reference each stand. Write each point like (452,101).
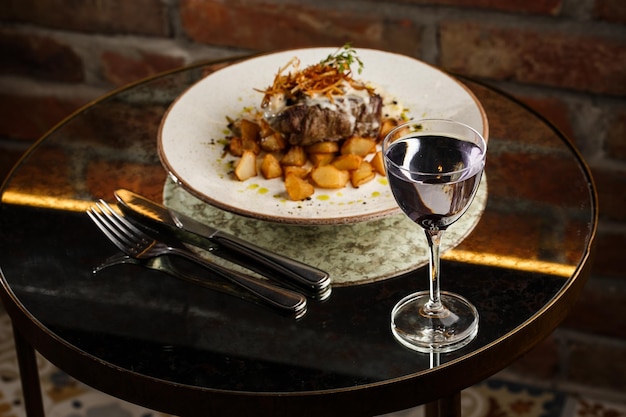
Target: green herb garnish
(343,58)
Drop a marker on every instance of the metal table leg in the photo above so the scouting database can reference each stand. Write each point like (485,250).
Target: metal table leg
(445,407)
(29,374)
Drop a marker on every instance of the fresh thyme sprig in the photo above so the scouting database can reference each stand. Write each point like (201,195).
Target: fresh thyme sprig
(343,58)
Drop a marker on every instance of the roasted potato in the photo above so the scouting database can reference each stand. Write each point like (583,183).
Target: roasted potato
(300,172)
(270,167)
(249,130)
(378,163)
(274,142)
(235,146)
(295,156)
(297,188)
(358,146)
(364,174)
(323,147)
(319,159)
(348,162)
(246,167)
(386,126)
(327,176)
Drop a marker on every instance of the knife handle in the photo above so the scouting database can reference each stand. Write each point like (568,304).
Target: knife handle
(303,274)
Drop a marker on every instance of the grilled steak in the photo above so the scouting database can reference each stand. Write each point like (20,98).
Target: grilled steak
(309,121)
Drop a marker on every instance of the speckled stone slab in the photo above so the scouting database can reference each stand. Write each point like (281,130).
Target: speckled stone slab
(351,253)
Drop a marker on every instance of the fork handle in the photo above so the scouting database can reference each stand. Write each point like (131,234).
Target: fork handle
(278,297)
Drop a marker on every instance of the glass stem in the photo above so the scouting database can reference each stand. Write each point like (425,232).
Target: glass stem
(434,306)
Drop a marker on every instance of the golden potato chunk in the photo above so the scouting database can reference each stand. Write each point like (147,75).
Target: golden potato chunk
(246,168)
(300,172)
(295,156)
(358,146)
(274,142)
(323,147)
(319,159)
(327,176)
(270,167)
(297,188)
(348,162)
(235,146)
(364,174)
(249,130)
(378,163)
(386,127)
(250,145)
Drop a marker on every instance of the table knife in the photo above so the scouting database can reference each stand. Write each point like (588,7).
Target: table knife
(195,233)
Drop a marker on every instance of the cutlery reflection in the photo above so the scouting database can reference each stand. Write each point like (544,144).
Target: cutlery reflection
(137,244)
(313,280)
(175,269)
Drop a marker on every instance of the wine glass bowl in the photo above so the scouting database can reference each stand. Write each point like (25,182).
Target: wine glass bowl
(434,168)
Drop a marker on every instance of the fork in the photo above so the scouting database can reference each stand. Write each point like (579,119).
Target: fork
(138,244)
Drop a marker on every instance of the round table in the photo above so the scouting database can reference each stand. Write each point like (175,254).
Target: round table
(155,341)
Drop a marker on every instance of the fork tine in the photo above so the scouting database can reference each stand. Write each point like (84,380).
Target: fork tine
(124,224)
(112,234)
(105,213)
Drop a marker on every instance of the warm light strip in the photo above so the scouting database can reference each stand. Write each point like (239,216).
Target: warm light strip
(510,262)
(36,200)
(479,258)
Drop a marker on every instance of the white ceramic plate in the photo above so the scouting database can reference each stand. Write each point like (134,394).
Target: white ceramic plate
(191,135)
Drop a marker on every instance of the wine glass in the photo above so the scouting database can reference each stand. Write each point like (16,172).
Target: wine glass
(434,168)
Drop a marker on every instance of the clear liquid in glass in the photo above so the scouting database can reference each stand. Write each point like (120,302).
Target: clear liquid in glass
(434,201)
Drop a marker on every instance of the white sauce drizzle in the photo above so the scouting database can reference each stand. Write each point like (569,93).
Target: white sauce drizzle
(391,107)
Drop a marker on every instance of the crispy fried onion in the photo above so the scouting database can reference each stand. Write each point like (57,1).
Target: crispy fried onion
(315,80)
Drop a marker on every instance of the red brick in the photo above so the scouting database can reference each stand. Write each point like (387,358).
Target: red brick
(615,144)
(612,198)
(511,122)
(269,26)
(39,56)
(121,68)
(610,10)
(609,258)
(145,179)
(29,117)
(554,110)
(600,309)
(553,179)
(147,17)
(547,7)
(546,57)
(52,169)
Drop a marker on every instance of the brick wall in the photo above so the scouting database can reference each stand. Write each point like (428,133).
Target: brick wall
(566,58)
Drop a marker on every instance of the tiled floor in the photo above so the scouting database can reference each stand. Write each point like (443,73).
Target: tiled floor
(500,396)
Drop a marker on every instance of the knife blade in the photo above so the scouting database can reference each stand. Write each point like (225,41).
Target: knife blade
(201,234)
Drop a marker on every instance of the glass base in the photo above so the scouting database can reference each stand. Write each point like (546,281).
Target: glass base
(444,331)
